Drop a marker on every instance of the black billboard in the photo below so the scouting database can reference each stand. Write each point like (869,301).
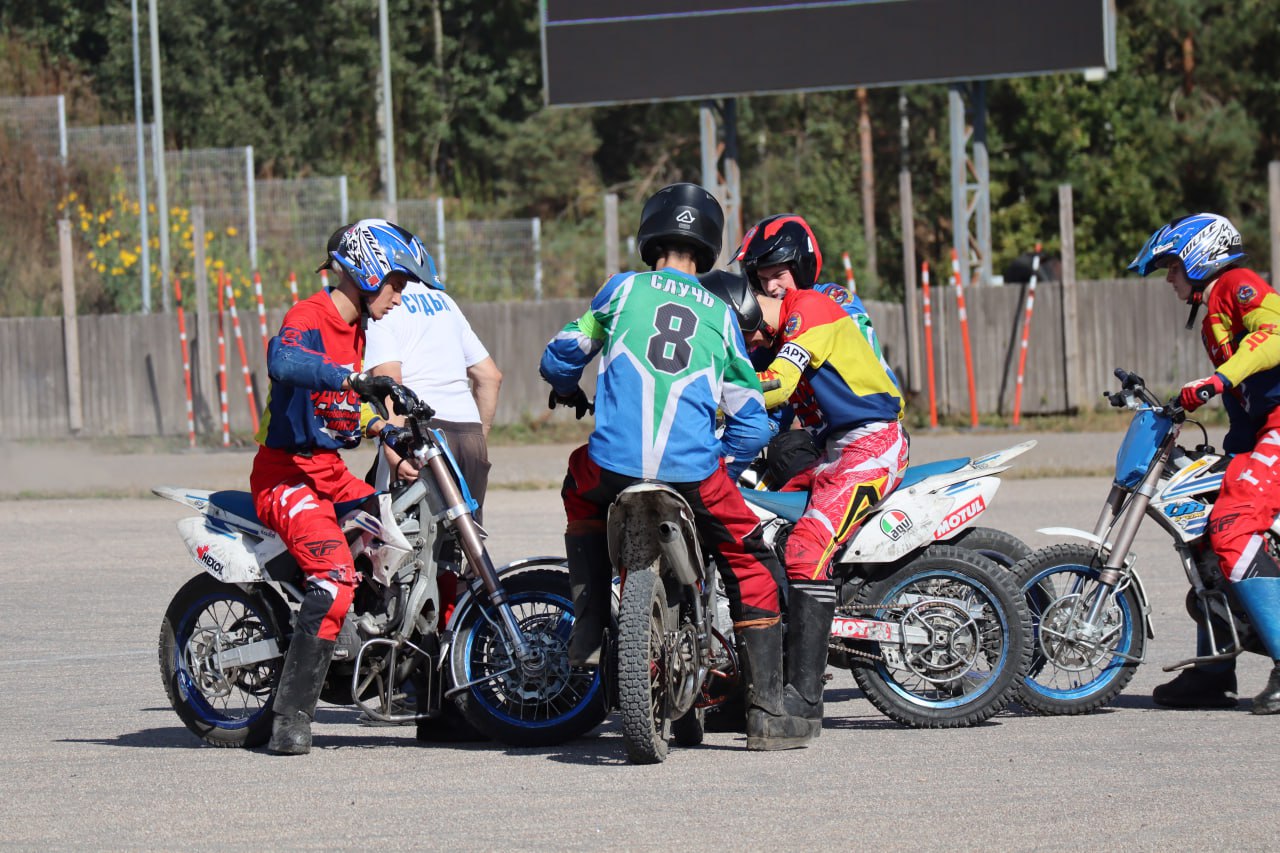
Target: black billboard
(615,51)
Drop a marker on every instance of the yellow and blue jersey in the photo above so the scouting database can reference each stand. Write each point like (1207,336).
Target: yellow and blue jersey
(827,369)
(1241,333)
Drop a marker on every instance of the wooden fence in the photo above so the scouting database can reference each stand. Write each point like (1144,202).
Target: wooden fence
(131,368)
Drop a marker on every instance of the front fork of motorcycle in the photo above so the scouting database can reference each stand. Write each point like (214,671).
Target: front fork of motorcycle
(457,510)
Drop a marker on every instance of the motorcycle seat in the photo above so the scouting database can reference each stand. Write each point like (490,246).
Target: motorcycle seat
(240,504)
(916,473)
(791,505)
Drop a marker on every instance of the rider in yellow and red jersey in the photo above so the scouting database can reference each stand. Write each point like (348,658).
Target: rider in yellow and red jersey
(1241,334)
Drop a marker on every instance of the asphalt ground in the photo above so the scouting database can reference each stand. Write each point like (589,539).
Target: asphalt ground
(93,757)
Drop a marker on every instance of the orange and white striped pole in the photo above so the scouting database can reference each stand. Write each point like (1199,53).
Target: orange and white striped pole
(324,278)
(1026,335)
(262,310)
(850,284)
(186,361)
(964,337)
(222,371)
(293,287)
(244,358)
(928,343)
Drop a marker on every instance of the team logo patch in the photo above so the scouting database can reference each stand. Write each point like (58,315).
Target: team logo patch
(838,295)
(792,326)
(1245,293)
(894,523)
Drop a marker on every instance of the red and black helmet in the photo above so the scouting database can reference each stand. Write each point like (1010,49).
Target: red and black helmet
(781,239)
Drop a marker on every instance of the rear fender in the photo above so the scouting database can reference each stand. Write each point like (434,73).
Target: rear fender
(633,529)
(910,519)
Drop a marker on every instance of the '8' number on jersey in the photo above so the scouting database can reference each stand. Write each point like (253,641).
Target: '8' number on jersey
(669,348)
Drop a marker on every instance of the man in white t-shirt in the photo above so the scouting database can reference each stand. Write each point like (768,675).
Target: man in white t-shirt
(429,346)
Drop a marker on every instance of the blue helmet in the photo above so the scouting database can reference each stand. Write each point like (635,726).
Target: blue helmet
(372,249)
(1206,243)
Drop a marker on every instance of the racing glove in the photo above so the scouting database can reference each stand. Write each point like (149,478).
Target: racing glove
(373,389)
(577,401)
(394,437)
(1196,394)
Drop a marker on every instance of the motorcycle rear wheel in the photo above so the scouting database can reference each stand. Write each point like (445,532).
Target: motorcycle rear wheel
(979,640)
(1003,549)
(224,707)
(644,620)
(1067,676)
(518,708)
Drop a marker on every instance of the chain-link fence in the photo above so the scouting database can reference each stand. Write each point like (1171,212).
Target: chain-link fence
(275,226)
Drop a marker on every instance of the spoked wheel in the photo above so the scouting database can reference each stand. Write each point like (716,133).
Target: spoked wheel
(965,640)
(1003,549)
(221,698)
(1076,668)
(644,620)
(545,703)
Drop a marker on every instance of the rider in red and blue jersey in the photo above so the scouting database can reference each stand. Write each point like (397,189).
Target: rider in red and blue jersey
(1241,333)
(313,410)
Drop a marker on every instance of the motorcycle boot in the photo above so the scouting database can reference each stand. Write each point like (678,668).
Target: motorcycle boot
(301,680)
(590,581)
(810,608)
(1260,596)
(1207,685)
(769,726)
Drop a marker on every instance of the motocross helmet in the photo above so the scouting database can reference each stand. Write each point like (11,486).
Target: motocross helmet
(735,292)
(681,214)
(1206,243)
(372,249)
(782,239)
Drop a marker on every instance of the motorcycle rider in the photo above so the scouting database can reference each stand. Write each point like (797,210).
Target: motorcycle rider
(1241,333)
(313,410)
(672,355)
(846,401)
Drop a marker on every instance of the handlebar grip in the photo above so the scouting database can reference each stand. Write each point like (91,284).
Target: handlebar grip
(1205,394)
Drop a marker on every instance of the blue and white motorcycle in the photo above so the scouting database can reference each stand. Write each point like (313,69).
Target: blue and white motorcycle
(499,656)
(1092,615)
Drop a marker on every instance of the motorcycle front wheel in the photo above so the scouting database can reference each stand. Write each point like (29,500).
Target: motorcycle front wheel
(965,640)
(1074,670)
(513,704)
(223,704)
(645,618)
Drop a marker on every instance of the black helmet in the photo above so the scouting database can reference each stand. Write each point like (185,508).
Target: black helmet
(681,214)
(782,239)
(734,290)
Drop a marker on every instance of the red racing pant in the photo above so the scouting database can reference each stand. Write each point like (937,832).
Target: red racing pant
(294,496)
(1247,506)
(858,469)
(726,524)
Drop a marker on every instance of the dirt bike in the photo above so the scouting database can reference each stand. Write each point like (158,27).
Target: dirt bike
(1091,612)
(498,657)
(932,627)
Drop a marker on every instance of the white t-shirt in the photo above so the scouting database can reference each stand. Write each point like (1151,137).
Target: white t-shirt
(434,344)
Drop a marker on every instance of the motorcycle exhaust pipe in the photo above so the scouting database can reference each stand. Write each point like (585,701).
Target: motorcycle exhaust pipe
(676,553)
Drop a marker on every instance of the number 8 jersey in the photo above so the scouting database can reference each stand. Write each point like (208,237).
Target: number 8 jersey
(672,355)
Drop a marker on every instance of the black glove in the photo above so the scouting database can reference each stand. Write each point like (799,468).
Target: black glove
(577,401)
(394,437)
(374,390)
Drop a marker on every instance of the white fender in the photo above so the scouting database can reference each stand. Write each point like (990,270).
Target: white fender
(1072,532)
(220,550)
(911,519)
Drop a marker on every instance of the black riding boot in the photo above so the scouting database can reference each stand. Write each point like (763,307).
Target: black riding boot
(590,577)
(1199,688)
(769,726)
(810,609)
(1268,701)
(301,680)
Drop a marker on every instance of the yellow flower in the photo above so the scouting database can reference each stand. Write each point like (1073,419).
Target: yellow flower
(151,208)
(231,231)
(127,258)
(116,234)
(72,196)
(208,237)
(217,265)
(84,226)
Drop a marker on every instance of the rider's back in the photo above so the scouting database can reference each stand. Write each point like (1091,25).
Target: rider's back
(671,355)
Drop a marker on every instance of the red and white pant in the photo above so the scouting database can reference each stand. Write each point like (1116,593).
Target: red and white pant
(294,496)
(857,470)
(1247,506)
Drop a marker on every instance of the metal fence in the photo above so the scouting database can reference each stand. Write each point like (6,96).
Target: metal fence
(275,226)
